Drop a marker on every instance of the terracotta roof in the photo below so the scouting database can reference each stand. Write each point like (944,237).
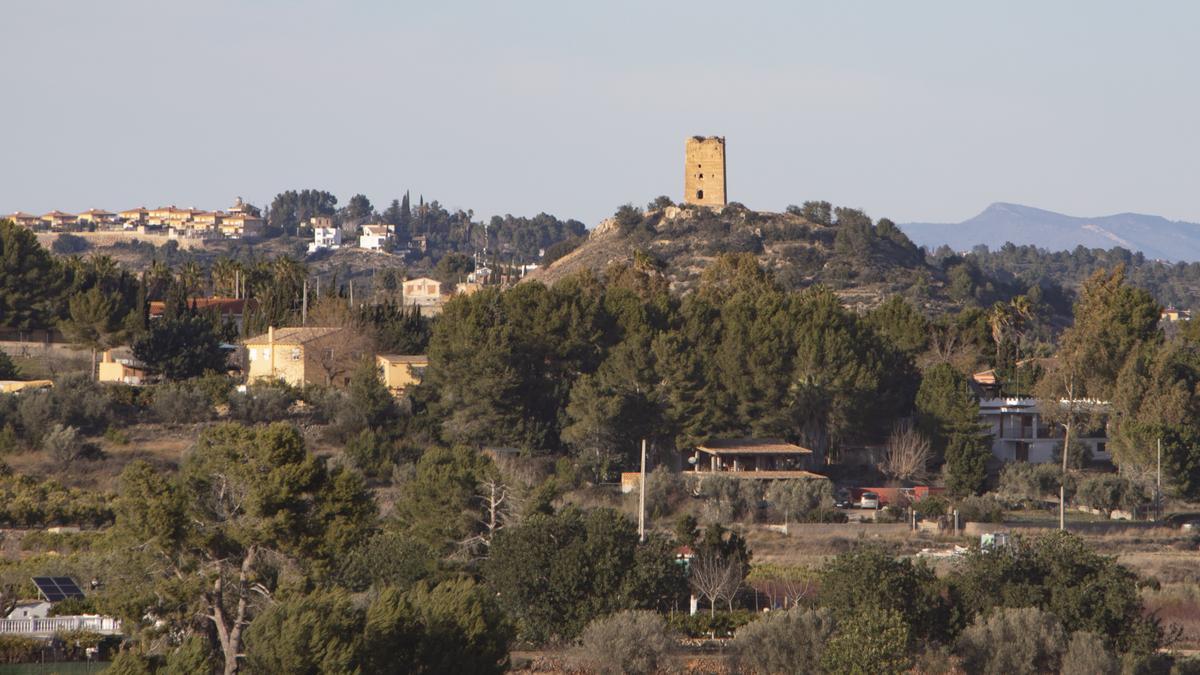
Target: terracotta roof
(58,214)
(375,230)
(96,212)
(294,335)
(21,214)
(752,446)
(224,305)
(405,358)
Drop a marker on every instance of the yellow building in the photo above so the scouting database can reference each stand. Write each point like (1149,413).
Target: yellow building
(97,216)
(137,215)
(57,219)
(300,355)
(241,226)
(122,371)
(27,220)
(422,291)
(400,371)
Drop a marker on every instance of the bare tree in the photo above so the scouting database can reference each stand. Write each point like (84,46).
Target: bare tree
(495,513)
(715,578)
(908,453)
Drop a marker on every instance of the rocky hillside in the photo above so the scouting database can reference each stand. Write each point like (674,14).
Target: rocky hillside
(862,261)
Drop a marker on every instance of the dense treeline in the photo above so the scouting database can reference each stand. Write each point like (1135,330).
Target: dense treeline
(593,365)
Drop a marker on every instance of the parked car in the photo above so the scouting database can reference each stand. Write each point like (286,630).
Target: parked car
(868,500)
(843,500)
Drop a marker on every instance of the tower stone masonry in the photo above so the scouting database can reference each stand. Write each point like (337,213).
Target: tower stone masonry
(704,171)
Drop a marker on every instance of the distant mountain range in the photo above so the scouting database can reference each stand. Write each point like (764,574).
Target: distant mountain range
(1155,236)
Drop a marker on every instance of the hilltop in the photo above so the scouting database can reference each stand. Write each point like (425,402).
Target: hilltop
(863,262)
(1154,236)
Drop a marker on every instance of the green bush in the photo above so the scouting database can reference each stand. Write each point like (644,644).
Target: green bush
(702,624)
(1087,655)
(983,509)
(371,452)
(17,649)
(875,642)
(791,641)
(1013,641)
(631,641)
(262,403)
(931,507)
(181,403)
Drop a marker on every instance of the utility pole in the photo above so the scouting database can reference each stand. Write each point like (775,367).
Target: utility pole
(1062,486)
(304,305)
(642,498)
(1158,484)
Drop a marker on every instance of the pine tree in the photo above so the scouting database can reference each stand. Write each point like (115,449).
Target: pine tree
(948,414)
(93,322)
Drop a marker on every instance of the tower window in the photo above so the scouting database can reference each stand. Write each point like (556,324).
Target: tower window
(699,194)
(700,176)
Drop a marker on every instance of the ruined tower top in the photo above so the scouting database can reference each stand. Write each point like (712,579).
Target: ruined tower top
(704,171)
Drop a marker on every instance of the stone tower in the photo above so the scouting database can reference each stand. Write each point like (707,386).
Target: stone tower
(704,171)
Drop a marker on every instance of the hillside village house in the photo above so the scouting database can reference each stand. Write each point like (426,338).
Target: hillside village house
(97,217)
(325,237)
(123,371)
(425,293)
(375,237)
(236,223)
(27,220)
(750,458)
(400,371)
(301,355)
(57,220)
(753,458)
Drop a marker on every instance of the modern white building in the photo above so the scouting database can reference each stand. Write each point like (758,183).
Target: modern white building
(1020,435)
(377,237)
(325,238)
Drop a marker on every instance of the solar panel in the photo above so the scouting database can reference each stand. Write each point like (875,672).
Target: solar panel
(56,589)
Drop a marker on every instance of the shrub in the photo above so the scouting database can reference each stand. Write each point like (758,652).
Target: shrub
(1108,493)
(791,641)
(632,641)
(1086,655)
(371,452)
(69,244)
(931,507)
(16,649)
(1029,482)
(869,642)
(116,436)
(193,656)
(701,624)
(979,510)
(1013,641)
(664,491)
(262,403)
(63,444)
(181,403)
(129,662)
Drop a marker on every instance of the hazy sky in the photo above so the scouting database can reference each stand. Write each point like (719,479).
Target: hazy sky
(911,110)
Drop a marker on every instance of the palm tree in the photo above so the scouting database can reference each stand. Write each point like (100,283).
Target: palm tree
(191,277)
(225,274)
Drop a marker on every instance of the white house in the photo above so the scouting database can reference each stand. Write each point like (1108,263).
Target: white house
(1020,435)
(375,237)
(325,238)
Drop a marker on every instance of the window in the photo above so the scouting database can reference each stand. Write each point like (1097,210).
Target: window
(700,176)
(250,355)
(699,194)
(295,353)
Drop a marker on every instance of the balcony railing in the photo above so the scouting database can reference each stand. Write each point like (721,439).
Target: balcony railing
(104,625)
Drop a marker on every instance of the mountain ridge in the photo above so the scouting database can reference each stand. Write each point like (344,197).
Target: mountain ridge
(1002,222)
